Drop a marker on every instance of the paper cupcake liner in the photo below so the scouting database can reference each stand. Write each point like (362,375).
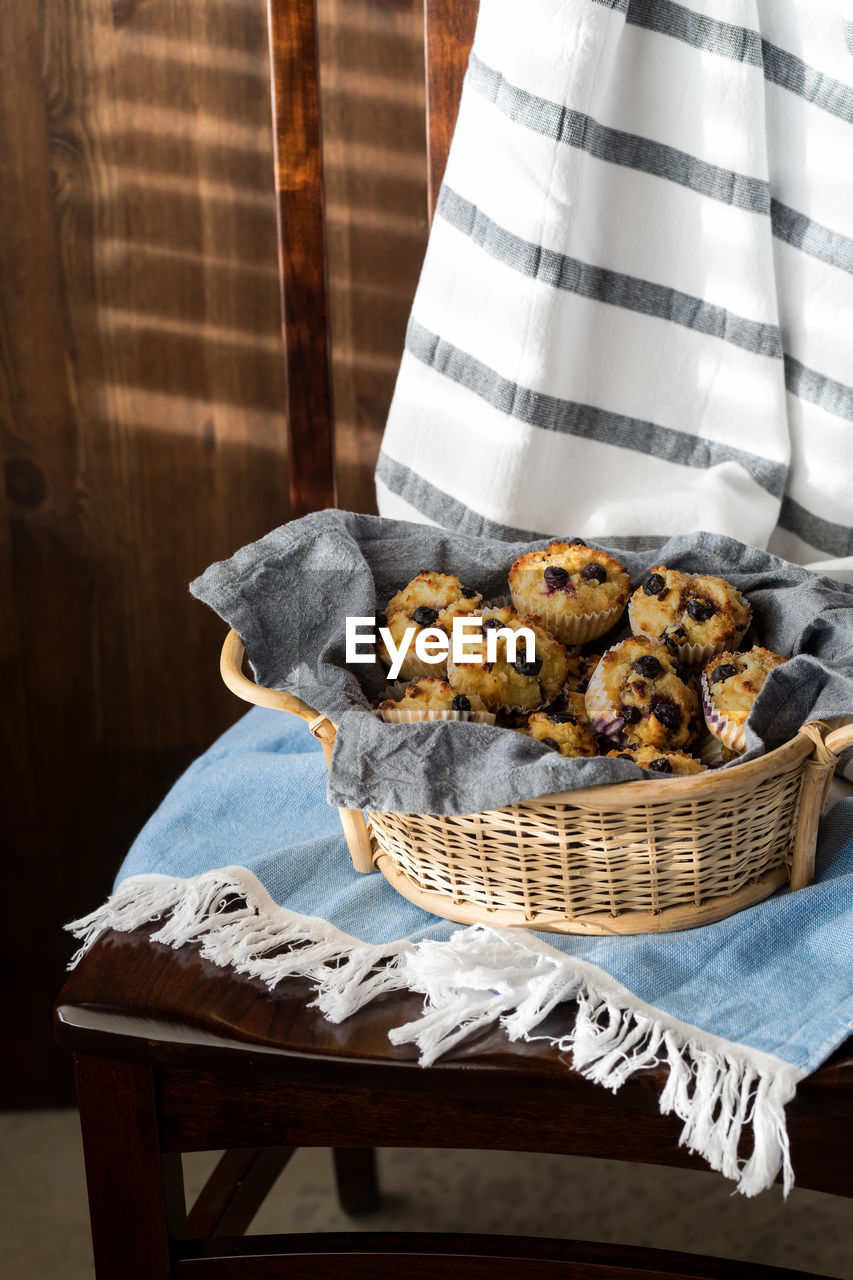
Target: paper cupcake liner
(414,714)
(604,716)
(570,629)
(407,715)
(692,655)
(731,734)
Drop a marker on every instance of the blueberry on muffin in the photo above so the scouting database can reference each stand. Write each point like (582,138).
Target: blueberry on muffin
(694,615)
(568,732)
(574,591)
(431,698)
(666,764)
(637,697)
(511,681)
(430,600)
(730,684)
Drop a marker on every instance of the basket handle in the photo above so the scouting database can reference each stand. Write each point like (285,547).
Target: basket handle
(817,776)
(231,669)
(840,739)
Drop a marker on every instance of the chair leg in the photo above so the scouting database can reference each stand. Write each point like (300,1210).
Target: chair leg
(235,1191)
(136,1195)
(355,1173)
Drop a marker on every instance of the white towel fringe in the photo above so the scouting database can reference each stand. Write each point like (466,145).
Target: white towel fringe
(479,977)
(235,923)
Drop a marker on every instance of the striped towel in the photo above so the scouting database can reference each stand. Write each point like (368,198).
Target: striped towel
(635,316)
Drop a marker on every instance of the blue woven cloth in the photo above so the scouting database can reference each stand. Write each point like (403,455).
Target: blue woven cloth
(778,977)
(767,992)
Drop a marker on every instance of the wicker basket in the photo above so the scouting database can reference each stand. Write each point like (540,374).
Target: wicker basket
(636,857)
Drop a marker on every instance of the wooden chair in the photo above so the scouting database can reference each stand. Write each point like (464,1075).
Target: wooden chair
(174,1055)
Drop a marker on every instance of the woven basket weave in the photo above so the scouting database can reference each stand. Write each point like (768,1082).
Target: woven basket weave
(637,857)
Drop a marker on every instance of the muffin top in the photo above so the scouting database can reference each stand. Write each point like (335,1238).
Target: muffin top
(431,693)
(665,763)
(511,684)
(731,681)
(568,577)
(683,609)
(429,600)
(430,597)
(637,697)
(569,732)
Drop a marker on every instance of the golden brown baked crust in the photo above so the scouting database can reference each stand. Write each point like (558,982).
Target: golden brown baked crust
(431,693)
(665,763)
(511,685)
(694,615)
(637,697)
(730,684)
(569,732)
(573,590)
(430,600)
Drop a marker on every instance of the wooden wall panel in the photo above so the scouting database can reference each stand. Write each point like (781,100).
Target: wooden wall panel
(141,428)
(140,402)
(373,100)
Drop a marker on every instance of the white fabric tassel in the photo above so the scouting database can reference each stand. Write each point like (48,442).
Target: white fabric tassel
(480,977)
(235,923)
(130,907)
(483,975)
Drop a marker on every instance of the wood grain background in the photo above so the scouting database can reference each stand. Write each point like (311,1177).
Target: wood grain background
(140,402)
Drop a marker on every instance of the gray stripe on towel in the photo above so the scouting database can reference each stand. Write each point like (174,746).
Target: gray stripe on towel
(834,397)
(630,150)
(600,284)
(583,420)
(745,45)
(791,73)
(450,513)
(834,539)
(439,506)
(712,35)
(812,237)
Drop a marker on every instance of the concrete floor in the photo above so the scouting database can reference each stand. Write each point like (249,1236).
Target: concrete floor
(45,1231)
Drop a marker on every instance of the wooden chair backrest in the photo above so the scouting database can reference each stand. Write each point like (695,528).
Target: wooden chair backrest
(297,138)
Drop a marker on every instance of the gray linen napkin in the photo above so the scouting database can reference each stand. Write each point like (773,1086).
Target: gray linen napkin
(288,597)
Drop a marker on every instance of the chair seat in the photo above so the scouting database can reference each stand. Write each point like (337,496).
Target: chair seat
(137,1001)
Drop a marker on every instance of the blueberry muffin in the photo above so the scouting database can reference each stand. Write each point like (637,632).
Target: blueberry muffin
(694,615)
(730,684)
(637,697)
(568,732)
(511,685)
(431,698)
(666,763)
(572,590)
(429,600)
